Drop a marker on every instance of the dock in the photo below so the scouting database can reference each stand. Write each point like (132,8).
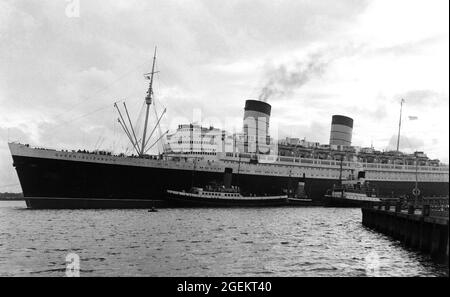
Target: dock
(421,227)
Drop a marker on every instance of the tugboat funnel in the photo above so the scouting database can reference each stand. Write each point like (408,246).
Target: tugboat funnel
(228,174)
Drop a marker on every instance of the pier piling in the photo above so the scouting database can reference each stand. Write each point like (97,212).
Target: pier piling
(425,231)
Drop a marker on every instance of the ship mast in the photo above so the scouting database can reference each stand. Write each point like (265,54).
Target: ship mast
(400,123)
(239,168)
(416,191)
(148,101)
(193,172)
(142,149)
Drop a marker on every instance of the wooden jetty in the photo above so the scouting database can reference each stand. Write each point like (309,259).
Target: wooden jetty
(422,227)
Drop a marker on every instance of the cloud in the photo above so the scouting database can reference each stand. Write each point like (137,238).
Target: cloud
(409,144)
(422,97)
(314,131)
(377,112)
(414,47)
(8,176)
(13,134)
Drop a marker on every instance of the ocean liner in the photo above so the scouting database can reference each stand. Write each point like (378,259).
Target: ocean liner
(260,165)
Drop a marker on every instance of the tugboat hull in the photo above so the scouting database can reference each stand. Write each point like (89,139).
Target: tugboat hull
(187,200)
(343,202)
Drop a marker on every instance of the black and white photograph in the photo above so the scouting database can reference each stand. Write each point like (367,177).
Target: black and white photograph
(224,145)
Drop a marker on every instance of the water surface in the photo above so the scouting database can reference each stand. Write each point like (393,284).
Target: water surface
(282,241)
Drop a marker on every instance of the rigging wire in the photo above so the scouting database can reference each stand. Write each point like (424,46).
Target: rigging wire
(158,144)
(100,90)
(101,108)
(175,107)
(9,185)
(138,125)
(138,122)
(114,136)
(80,117)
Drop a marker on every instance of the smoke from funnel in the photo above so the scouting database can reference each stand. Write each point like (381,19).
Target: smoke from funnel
(283,79)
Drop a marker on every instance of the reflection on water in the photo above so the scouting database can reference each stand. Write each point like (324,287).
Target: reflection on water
(201,242)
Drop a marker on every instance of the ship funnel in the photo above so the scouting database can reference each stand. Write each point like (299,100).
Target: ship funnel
(227,177)
(341,130)
(361,174)
(256,126)
(300,191)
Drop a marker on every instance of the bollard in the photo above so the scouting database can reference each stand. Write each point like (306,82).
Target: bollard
(426,210)
(398,207)
(411,209)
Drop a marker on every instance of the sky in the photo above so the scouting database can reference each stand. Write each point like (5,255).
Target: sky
(63,64)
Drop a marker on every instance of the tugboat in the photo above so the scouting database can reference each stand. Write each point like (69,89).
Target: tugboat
(224,195)
(153,209)
(298,196)
(351,193)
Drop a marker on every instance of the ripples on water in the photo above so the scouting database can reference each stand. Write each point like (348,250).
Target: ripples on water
(200,242)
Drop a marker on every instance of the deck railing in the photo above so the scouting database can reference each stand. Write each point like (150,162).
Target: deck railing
(435,206)
(428,207)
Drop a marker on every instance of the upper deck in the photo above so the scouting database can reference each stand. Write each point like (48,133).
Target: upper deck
(266,165)
(310,162)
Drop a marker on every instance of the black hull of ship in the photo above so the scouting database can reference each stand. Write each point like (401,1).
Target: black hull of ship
(53,183)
